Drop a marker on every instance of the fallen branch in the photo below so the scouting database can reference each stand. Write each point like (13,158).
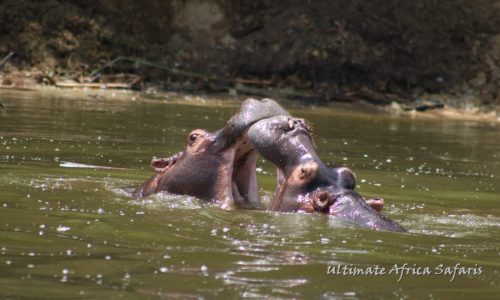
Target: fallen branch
(151,64)
(119,81)
(377,98)
(93,85)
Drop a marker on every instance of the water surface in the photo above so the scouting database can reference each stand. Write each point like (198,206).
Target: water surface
(69,232)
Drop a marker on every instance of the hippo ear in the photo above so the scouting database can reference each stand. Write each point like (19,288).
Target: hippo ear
(345,177)
(304,173)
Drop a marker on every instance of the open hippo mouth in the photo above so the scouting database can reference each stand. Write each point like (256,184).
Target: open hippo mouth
(218,166)
(161,164)
(205,171)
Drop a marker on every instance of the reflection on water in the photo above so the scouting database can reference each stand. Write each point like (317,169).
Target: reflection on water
(69,229)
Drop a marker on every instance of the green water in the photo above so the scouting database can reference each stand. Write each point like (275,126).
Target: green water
(70,232)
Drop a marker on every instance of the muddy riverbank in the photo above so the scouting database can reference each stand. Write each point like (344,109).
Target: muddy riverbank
(410,52)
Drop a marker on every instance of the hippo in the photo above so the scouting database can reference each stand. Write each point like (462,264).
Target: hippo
(215,166)
(305,183)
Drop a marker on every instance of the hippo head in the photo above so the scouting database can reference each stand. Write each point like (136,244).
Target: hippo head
(217,166)
(305,183)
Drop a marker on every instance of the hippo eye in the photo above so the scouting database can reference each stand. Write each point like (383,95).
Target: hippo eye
(193,137)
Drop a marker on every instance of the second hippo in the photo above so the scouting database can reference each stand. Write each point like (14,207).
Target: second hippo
(305,183)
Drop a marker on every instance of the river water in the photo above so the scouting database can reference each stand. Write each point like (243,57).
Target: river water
(72,232)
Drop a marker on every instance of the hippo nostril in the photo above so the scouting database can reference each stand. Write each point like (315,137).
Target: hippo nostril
(321,201)
(295,123)
(303,173)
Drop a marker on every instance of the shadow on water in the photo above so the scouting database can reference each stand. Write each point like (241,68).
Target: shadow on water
(69,231)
